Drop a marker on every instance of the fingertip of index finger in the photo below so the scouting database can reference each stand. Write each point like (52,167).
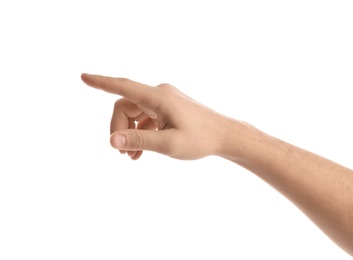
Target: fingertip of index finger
(132,90)
(91,80)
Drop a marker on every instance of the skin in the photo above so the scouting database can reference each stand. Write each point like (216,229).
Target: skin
(164,120)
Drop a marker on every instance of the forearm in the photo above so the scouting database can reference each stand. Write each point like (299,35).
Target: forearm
(322,189)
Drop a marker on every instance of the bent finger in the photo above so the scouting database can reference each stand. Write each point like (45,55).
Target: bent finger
(124,112)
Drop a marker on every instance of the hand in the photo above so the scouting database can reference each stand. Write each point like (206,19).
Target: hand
(160,119)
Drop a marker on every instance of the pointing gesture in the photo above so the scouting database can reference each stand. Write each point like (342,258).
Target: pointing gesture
(160,119)
(164,120)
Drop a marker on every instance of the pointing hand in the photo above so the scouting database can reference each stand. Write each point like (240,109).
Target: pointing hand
(160,119)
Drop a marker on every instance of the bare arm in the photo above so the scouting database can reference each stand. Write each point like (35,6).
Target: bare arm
(322,189)
(164,120)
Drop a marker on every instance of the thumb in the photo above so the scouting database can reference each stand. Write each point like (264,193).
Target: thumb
(138,139)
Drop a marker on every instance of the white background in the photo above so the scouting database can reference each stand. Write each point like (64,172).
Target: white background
(283,66)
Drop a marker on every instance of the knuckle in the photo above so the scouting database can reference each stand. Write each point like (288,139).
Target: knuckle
(137,141)
(123,85)
(166,90)
(117,103)
(124,80)
(165,86)
(120,103)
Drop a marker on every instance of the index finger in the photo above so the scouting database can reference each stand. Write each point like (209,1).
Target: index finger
(134,91)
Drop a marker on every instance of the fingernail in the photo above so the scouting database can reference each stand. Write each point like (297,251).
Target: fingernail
(119,141)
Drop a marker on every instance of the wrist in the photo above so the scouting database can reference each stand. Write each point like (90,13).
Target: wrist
(235,140)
